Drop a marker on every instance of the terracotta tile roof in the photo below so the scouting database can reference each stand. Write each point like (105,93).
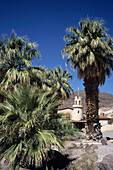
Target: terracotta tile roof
(104,117)
(65,108)
(79,121)
(84,121)
(101,116)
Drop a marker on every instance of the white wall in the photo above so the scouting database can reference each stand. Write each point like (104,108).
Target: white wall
(103,122)
(66,111)
(77,114)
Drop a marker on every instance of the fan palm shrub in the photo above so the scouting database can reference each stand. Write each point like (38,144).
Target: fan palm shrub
(55,82)
(24,122)
(90,51)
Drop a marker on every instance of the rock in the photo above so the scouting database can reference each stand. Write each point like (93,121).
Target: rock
(109,141)
(86,146)
(89,150)
(81,146)
(74,146)
(107,163)
(103,141)
(92,146)
(86,161)
(4,164)
(83,130)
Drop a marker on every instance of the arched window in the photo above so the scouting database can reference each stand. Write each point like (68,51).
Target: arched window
(76,102)
(79,102)
(78,111)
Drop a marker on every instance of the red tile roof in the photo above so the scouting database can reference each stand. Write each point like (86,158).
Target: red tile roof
(84,121)
(79,121)
(65,108)
(104,117)
(101,117)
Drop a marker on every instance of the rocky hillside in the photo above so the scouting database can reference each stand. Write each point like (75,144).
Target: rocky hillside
(105,104)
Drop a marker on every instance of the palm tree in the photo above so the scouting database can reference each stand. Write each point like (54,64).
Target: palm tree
(90,51)
(16,55)
(37,76)
(57,82)
(24,116)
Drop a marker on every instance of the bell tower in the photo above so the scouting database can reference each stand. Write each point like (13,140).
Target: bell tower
(77,108)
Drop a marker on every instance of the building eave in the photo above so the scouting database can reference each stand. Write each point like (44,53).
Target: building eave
(65,108)
(78,121)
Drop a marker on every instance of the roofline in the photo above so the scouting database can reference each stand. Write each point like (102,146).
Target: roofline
(79,121)
(84,121)
(65,108)
(104,118)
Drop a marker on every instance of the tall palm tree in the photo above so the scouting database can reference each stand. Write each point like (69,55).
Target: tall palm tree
(57,82)
(90,51)
(24,116)
(16,55)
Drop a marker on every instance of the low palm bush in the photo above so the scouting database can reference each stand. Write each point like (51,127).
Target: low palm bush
(26,135)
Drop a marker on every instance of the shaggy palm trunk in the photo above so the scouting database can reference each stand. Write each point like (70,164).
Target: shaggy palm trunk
(93,126)
(1,99)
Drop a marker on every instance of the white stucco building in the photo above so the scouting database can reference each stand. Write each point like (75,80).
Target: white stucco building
(104,120)
(76,114)
(76,111)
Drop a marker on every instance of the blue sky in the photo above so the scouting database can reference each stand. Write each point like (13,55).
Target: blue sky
(45,22)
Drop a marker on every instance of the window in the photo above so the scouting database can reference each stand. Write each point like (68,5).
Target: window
(78,111)
(79,102)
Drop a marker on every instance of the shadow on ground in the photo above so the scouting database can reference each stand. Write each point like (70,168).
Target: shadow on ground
(56,161)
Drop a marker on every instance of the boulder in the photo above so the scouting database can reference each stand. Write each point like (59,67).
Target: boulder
(103,141)
(81,146)
(107,163)
(74,146)
(93,147)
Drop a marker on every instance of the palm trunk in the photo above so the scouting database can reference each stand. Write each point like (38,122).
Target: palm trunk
(1,99)
(92,118)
